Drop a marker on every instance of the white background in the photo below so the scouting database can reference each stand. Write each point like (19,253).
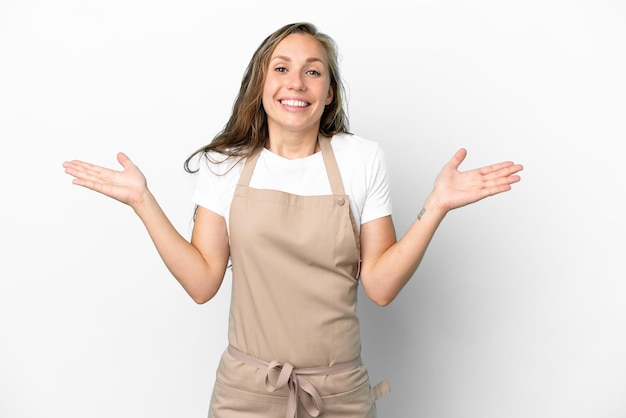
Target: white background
(518,309)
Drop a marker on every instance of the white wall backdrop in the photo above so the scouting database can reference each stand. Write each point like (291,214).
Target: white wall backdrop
(518,309)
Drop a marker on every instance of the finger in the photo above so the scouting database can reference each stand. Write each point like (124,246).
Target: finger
(92,185)
(124,160)
(73,168)
(509,173)
(79,167)
(74,165)
(503,169)
(88,172)
(82,177)
(84,183)
(83,165)
(82,169)
(458,158)
(493,168)
(502,181)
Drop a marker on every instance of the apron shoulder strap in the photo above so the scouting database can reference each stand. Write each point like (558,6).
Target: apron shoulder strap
(331,165)
(248,168)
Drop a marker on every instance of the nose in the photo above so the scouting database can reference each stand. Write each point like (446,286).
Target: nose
(296,81)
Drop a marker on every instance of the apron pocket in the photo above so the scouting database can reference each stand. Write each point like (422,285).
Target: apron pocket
(356,403)
(227,402)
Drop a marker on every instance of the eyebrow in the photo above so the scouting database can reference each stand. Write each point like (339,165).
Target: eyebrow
(284,58)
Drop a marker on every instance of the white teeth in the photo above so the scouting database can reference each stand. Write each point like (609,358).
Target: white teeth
(294,103)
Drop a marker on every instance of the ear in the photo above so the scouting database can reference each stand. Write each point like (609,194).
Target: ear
(331,95)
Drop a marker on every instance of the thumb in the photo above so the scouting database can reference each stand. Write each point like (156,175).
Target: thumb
(124,160)
(458,158)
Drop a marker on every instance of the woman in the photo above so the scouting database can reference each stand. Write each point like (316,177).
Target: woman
(302,209)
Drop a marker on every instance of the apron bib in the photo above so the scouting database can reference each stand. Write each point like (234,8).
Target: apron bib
(293,330)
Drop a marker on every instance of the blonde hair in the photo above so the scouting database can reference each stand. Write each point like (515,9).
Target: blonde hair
(246,130)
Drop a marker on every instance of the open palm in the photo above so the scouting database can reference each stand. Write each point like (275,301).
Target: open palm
(128,186)
(455,188)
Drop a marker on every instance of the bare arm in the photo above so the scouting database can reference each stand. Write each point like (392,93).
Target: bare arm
(198,265)
(387,264)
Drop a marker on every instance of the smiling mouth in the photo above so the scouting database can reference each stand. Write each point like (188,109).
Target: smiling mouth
(294,103)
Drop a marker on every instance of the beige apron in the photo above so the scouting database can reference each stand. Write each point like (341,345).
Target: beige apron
(293,330)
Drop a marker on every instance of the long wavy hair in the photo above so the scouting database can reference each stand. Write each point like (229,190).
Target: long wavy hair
(246,131)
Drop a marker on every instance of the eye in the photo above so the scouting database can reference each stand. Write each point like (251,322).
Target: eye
(280,69)
(314,72)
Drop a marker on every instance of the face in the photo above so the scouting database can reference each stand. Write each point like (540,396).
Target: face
(297,85)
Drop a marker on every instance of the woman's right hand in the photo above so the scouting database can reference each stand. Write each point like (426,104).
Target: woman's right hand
(128,186)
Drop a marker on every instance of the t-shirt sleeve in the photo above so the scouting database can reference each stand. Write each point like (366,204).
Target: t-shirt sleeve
(378,197)
(214,184)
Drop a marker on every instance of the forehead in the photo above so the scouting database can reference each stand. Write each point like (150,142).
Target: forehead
(300,46)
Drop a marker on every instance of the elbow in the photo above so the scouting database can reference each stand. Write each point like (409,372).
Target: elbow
(201,290)
(379,296)
(382,300)
(378,291)
(201,297)
(200,300)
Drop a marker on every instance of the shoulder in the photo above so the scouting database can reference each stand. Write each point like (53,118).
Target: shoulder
(353,142)
(356,149)
(216,180)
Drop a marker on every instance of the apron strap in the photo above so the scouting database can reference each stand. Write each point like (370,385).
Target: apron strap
(380,390)
(332,169)
(330,162)
(248,169)
(331,165)
(334,178)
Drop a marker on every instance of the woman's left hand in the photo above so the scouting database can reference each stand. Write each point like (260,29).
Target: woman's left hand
(454,189)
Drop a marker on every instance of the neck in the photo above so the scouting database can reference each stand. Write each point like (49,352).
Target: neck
(293,146)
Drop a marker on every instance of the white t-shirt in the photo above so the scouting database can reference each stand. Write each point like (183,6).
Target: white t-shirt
(362,168)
